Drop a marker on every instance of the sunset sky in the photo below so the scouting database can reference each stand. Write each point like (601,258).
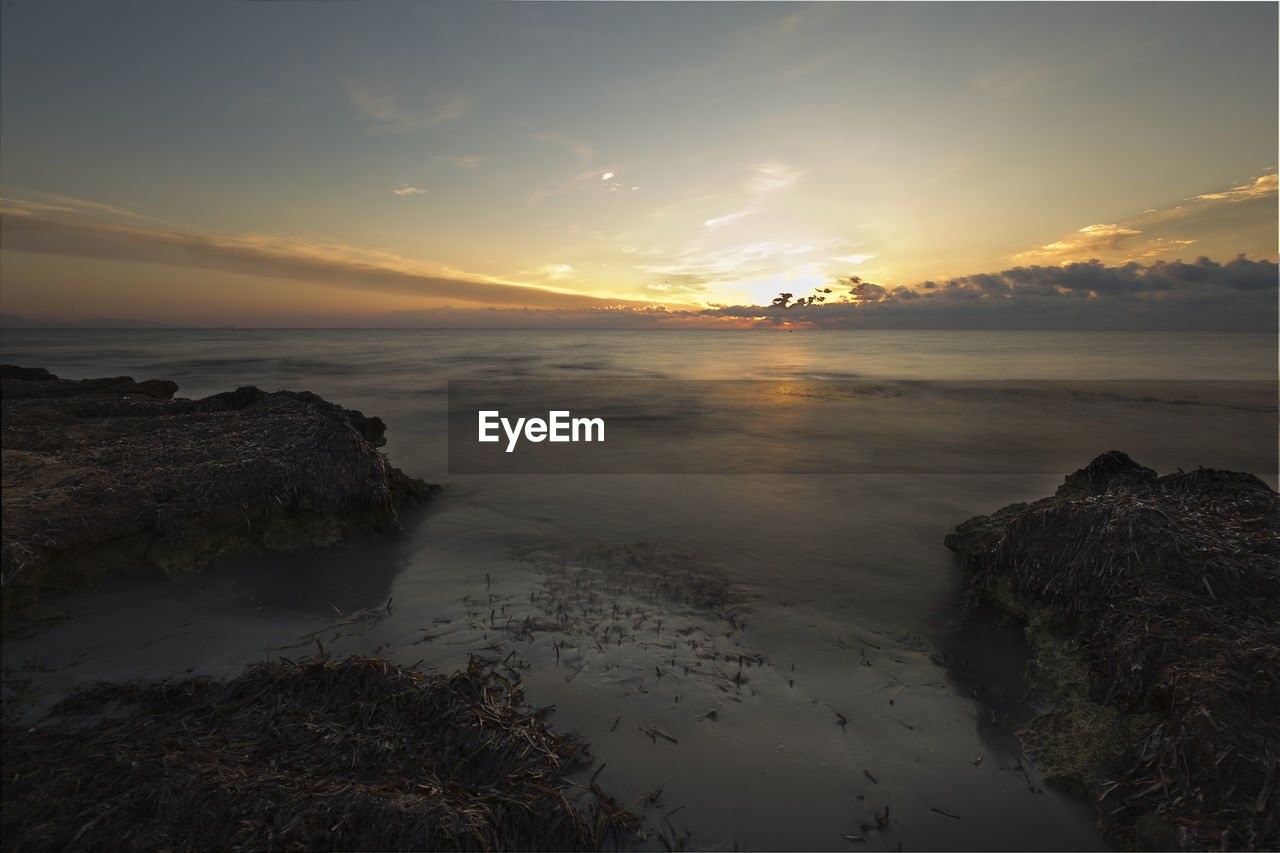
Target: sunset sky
(310,163)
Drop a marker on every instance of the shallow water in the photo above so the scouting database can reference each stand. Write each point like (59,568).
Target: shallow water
(785,603)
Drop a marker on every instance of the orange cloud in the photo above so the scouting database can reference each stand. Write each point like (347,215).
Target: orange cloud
(1240,218)
(1258,188)
(328,265)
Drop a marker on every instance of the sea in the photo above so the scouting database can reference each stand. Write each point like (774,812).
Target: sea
(747,609)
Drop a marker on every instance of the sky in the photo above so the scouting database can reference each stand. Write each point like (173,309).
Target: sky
(671,164)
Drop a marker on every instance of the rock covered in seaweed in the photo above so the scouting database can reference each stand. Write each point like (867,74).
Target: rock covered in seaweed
(358,754)
(110,476)
(1151,610)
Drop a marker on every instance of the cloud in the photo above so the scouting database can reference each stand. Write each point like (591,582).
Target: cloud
(451,317)
(1260,187)
(588,180)
(1243,216)
(462,162)
(1205,294)
(538,196)
(690,288)
(956,166)
(729,218)
(813,64)
(321,264)
(579,148)
(68,204)
(1093,238)
(732,263)
(1240,294)
(555,271)
(388,110)
(407,190)
(17,205)
(771,177)
(1008,81)
(1162,294)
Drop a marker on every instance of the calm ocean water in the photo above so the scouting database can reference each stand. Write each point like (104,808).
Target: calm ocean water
(784,602)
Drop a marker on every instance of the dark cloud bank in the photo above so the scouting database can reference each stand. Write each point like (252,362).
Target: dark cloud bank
(1204,295)
(1241,294)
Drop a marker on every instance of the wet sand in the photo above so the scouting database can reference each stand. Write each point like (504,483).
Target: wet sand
(724,719)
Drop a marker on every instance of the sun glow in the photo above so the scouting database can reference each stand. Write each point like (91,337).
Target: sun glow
(802,282)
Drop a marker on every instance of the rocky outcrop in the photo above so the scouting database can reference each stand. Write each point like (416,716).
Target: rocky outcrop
(1150,604)
(112,476)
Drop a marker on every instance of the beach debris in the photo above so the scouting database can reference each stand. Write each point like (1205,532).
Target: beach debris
(352,754)
(366,619)
(599,770)
(654,733)
(1018,767)
(900,722)
(867,773)
(33,664)
(598,599)
(679,838)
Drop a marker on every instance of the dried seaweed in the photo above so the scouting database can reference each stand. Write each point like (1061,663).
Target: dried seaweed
(1167,588)
(357,754)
